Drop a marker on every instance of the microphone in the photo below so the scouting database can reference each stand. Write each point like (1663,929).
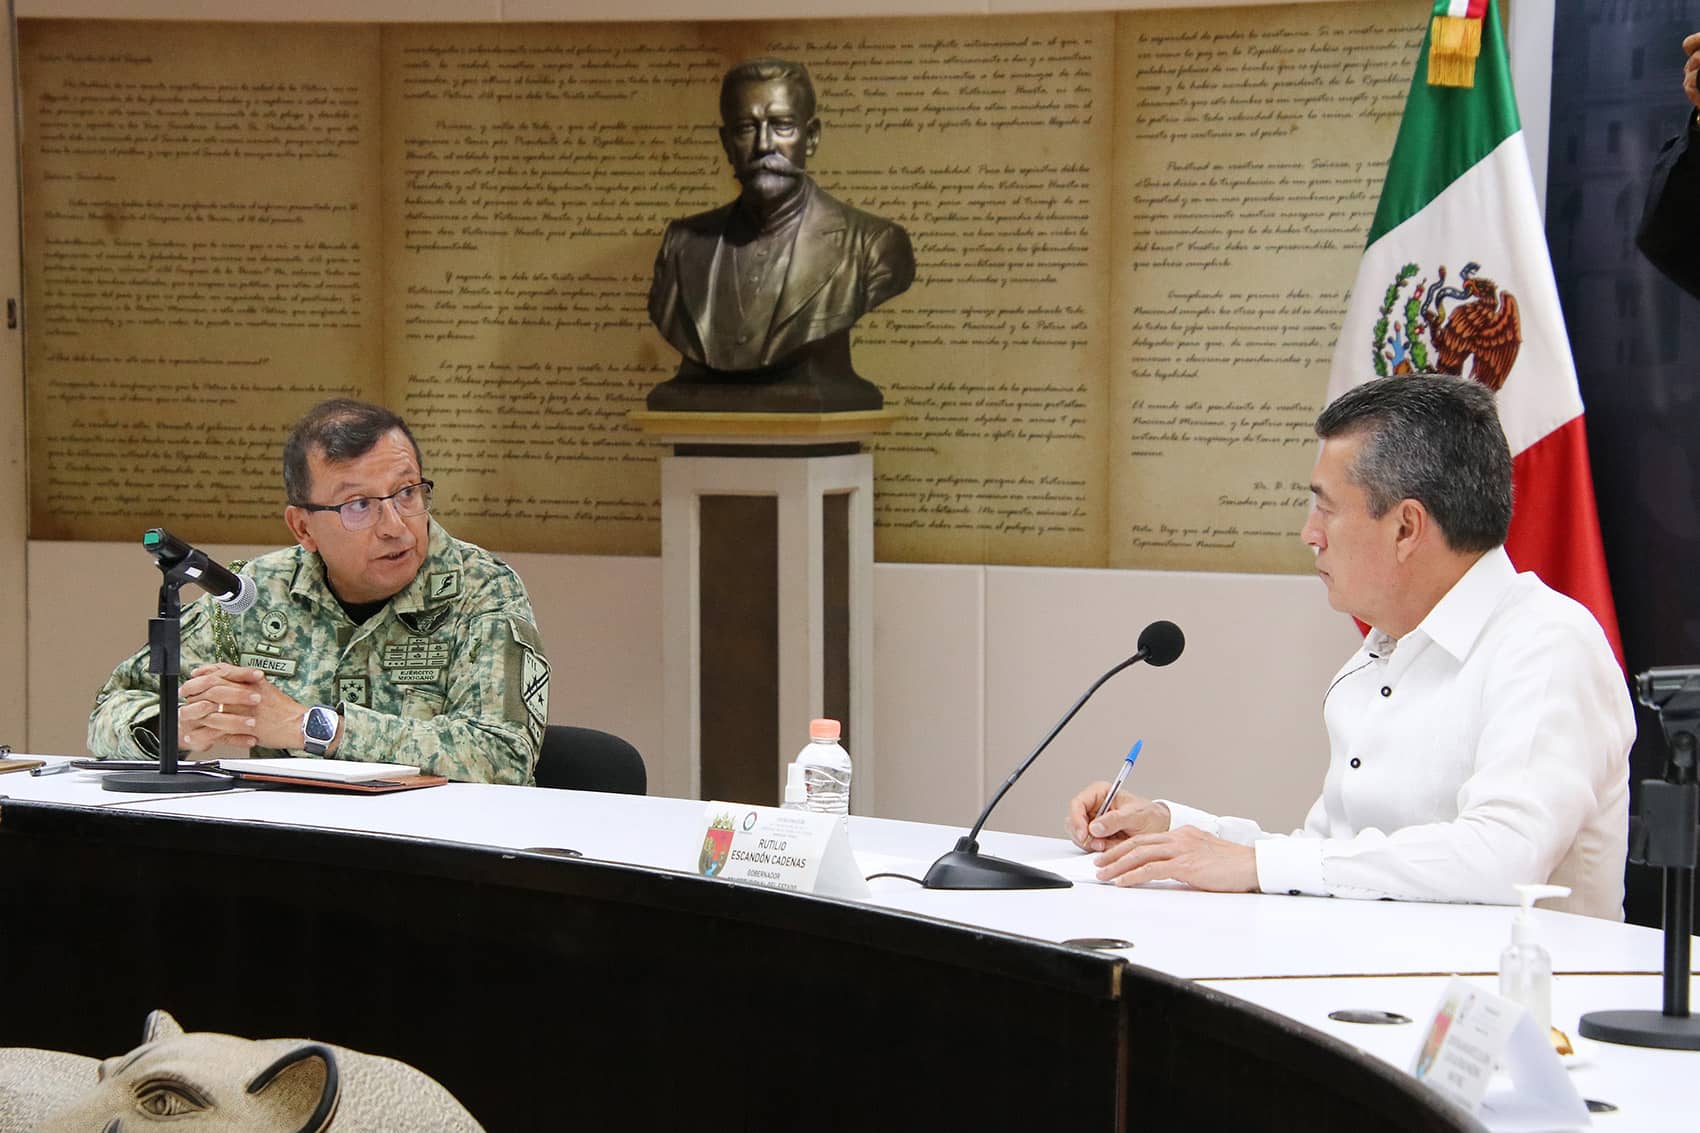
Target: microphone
(966,867)
(235,592)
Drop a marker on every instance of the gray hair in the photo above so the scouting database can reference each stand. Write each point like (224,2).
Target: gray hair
(342,429)
(766,71)
(1435,439)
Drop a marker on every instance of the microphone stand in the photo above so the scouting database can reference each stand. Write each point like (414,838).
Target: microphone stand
(966,867)
(165,653)
(1667,835)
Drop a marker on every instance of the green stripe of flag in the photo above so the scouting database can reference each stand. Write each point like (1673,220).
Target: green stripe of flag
(1446,130)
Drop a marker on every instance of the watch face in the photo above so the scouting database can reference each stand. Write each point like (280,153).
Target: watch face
(320,725)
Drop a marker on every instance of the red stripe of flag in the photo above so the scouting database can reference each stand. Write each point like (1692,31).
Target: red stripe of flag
(1554,527)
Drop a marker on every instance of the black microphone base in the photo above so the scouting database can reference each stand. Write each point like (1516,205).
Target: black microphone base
(1643,1028)
(970,869)
(159,783)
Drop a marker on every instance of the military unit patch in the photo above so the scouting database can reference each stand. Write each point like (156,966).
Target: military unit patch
(443,585)
(274,625)
(423,623)
(535,679)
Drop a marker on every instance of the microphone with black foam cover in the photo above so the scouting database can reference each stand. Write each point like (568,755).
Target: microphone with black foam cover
(1159,644)
(235,592)
(965,867)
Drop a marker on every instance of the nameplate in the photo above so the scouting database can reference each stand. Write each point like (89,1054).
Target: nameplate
(1472,1034)
(277,666)
(799,851)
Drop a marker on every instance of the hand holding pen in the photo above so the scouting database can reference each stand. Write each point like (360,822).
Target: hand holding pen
(1093,826)
(1121,777)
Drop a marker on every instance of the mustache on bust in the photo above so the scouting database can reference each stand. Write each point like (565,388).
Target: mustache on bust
(776,164)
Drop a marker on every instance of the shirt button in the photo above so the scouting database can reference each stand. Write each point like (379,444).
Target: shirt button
(1356,762)
(1292,892)
(1386,690)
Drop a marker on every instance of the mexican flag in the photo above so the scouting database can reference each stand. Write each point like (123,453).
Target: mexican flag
(1456,278)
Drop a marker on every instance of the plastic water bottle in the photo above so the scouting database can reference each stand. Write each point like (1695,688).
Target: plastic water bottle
(826,770)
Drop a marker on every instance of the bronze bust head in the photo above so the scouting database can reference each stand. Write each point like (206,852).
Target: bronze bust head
(758,296)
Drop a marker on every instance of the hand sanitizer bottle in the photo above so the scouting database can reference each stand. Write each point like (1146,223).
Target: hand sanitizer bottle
(1525,968)
(796,797)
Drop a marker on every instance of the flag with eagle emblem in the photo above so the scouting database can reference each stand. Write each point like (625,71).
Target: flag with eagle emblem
(1456,279)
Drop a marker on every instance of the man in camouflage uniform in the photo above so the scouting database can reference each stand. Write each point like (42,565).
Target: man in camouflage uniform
(424,646)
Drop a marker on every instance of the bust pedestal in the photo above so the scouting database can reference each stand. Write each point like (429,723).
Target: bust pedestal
(767,595)
(817,380)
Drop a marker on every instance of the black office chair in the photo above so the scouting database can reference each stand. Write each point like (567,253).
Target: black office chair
(584,759)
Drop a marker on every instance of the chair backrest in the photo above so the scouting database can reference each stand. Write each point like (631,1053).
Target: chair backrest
(584,759)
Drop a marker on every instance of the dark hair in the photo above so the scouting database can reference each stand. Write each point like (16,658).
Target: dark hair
(340,429)
(1435,439)
(765,71)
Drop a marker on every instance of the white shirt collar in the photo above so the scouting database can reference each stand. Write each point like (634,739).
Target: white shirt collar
(1458,619)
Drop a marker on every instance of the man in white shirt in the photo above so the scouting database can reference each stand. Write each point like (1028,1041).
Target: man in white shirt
(1478,739)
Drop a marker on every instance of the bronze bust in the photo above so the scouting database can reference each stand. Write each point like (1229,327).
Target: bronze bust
(758,296)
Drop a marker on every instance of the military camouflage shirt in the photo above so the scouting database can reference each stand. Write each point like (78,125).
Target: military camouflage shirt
(448,676)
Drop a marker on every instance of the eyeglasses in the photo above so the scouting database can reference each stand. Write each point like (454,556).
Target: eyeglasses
(360,513)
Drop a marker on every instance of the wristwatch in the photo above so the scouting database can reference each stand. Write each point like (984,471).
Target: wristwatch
(318,729)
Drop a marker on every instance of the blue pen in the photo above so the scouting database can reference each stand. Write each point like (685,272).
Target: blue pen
(1121,777)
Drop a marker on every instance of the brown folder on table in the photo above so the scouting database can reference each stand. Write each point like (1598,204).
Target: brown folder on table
(364,787)
(330,775)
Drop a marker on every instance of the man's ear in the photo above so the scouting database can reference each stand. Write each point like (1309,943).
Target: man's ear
(1414,528)
(296,518)
(811,137)
(726,146)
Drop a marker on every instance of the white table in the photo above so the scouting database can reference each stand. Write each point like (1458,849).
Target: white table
(1173,929)
(1298,956)
(1655,1091)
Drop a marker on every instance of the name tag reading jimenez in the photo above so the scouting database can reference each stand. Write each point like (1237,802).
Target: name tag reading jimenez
(796,850)
(277,666)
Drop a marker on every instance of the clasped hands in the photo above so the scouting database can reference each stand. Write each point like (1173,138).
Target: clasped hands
(235,706)
(1134,845)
